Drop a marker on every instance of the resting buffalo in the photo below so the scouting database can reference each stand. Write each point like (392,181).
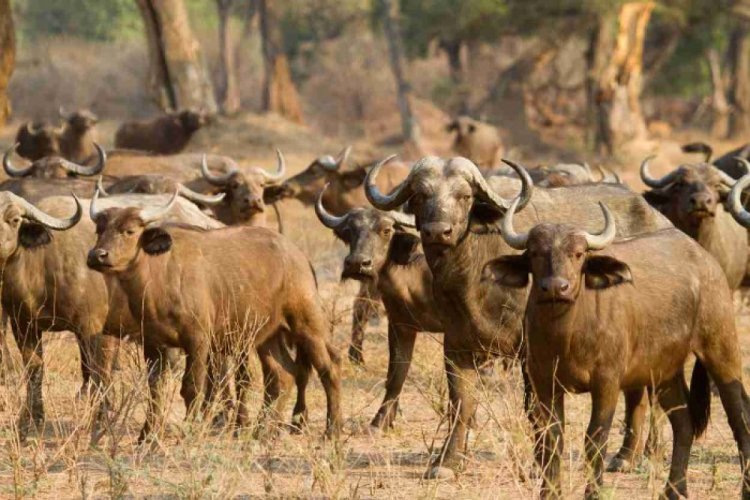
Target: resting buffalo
(37,140)
(78,137)
(727,163)
(692,197)
(598,320)
(570,174)
(168,134)
(48,287)
(210,292)
(54,166)
(384,255)
(456,212)
(477,141)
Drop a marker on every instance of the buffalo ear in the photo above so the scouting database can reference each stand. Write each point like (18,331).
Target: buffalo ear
(472,128)
(483,214)
(156,241)
(602,272)
(510,271)
(451,126)
(33,235)
(403,248)
(354,178)
(656,197)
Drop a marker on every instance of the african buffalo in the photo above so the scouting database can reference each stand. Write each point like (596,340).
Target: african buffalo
(383,254)
(37,140)
(245,191)
(727,163)
(692,197)
(48,287)
(54,166)
(456,212)
(204,291)
(598,320)
(167,134)
(78,137)
(343,194)
(477,141)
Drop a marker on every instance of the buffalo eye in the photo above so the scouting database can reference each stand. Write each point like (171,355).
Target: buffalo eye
(579,255)
(15,221)
(387,231)
(130,232)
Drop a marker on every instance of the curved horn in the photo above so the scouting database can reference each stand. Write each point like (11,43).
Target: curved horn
(205,199)
(84,170)
(216,180)
(396,198)
(280,169)
(743,161)
(734,201)
(100,186)
(654,182)
(10,169)
(329,220)
(31,129)
(402,218)
(33,213)
(343,156)
(152,214)
(93,212)
(509,234)
(607,236)
(527,185)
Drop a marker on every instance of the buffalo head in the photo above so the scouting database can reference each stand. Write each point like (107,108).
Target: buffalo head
(245,191)
(443,194)
(689,194)
(79,121)
(53,166)
(369,234)
(37,140)
(192,120)
(123,232)
(323,170)
(560,259)
(22,224)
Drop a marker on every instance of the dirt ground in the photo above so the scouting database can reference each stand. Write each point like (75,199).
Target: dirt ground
(196,460)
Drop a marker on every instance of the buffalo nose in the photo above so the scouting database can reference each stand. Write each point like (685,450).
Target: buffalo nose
(97,256)
(555,286)
(701,201)
(437,232)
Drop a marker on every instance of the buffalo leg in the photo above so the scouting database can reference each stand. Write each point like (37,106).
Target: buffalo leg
(400,351)
(303,367)
(673,399)
(278,369)
(32,353)
(549,422)
(193,389)
(84,350)
(603,405)
(324,359)
(242,380)
(462,386)
(636,404)
(155,364)
(106,351)
(364,308)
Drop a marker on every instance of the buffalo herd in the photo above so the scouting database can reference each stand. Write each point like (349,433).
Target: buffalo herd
(591,286)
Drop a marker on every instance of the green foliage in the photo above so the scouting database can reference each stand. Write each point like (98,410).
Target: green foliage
(88,19)
(313,21)
(425,20)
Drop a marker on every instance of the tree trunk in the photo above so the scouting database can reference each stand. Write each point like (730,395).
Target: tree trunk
(177,74)
(228,93)
(719,103)
(279,93)
(739,88)
(452,49)
(409,125)
(616,72)
(7,57)
(247,30)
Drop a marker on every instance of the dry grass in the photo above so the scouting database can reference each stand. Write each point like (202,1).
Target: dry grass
(195,460)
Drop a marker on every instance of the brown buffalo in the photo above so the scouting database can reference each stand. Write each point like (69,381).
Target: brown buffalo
(244,191)
(37,140)
(383,254)
(693,197)
(477,141)
(456,212)
(54,166)
(48,287)
(603,317)
(78,137)
(727,162)
(167,134)
(343,194)
(200,290)
(157,184)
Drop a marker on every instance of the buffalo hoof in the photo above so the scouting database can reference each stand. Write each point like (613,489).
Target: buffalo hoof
(298,424)
(619,464)
(439,473)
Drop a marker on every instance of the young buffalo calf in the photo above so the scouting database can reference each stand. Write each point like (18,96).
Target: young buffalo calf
(624,318)
(199,290)
(381,253)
